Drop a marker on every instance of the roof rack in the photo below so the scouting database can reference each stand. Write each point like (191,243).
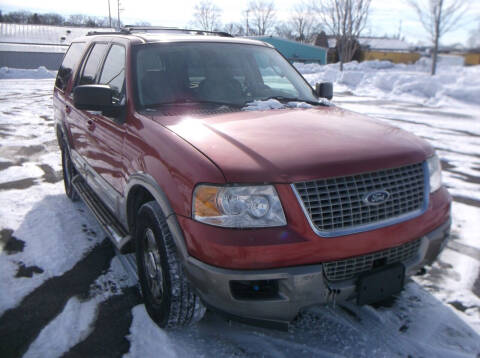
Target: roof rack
(131,29)
(92,33)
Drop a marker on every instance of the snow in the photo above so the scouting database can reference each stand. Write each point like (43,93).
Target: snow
(264,105)
(423,321)
(77,319)
(379,43)
(17,73)
(268,104)
(385,80)
(68,328)
(47,248)
(144,332)
(26,170)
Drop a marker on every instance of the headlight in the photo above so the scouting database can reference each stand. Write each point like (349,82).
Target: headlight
(435,173)
(238,206)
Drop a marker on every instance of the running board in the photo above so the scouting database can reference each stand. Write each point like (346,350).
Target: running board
(105,218)
(129,263)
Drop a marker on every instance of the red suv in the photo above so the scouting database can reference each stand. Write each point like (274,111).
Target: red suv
(167,137)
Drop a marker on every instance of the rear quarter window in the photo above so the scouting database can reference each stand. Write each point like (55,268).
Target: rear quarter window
(70,61)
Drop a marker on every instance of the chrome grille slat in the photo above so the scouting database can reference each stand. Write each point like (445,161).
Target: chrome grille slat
(336,204)
(349,268)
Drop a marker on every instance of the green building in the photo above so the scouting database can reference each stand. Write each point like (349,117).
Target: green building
(296,51)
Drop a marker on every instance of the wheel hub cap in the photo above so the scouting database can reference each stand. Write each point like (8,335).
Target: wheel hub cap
(153,267)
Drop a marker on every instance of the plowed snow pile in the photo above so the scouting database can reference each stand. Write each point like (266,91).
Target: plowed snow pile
(383,79)
(17,73)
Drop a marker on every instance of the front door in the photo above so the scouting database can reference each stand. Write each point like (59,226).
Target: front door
(106,134)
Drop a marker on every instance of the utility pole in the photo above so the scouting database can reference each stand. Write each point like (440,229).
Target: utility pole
(109,14)
(118,14)
(247,11)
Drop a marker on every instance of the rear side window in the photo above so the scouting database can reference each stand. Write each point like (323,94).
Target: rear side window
(72,57)
(90,69)
(113,73)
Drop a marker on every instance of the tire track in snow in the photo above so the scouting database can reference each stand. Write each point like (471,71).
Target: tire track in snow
(19,326)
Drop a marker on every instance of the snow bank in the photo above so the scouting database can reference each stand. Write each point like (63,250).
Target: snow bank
(16,73)
(383,79)
(147,339)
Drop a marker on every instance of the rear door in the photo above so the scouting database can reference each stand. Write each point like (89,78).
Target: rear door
(63,83)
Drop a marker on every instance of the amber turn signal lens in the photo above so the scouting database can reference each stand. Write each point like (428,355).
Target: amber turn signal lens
(205,204)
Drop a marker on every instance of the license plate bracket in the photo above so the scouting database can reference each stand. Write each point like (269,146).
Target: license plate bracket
(380,284)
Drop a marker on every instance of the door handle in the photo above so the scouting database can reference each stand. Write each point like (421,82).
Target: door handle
(90,124)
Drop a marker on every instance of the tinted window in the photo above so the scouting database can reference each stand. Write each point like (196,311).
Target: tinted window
(72,57)
(214,72)
(274,76)
(93,62)
(113,73)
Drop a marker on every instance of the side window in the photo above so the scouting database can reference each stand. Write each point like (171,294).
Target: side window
(113,73)
(72,57)
(90,69)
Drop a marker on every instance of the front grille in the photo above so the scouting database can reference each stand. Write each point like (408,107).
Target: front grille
(337,204)
(349,268)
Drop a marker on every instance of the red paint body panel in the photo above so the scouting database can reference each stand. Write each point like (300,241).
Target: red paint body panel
(296,243)
(285,146)
(174,164)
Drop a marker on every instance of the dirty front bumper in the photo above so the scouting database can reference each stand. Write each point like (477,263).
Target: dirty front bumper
(294,288)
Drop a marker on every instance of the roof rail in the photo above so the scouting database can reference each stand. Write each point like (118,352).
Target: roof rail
(121,32)
(130,29)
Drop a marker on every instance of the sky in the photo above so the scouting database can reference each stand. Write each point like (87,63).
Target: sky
(386,17)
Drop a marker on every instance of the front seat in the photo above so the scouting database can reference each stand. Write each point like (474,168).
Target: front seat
(157,87)
(220,85)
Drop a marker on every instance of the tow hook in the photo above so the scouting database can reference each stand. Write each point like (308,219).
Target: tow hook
(332,296)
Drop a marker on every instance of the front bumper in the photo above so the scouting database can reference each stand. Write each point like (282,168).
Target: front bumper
(298,287)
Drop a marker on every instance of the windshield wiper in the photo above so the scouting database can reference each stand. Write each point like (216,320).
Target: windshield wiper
(193,101)
(292,99)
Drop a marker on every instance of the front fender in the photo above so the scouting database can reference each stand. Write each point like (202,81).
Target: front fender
(147,182)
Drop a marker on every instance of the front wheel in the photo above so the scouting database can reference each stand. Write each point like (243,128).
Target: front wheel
(169,299)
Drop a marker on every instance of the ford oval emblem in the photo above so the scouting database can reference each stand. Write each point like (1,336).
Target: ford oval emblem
(376,197)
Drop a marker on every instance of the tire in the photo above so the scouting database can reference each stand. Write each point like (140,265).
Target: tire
(68,171)
(168,296)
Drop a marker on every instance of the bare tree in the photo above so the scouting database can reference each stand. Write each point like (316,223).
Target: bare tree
(302,22)
(76,20)
(262,16)
(439,17)
(345,19)
(234,29)
(285,30)
(17,17)
(207,16)
(473,40)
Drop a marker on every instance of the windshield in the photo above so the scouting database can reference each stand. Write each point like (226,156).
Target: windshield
(231,74)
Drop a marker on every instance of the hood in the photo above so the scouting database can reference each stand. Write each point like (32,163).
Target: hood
(290,145)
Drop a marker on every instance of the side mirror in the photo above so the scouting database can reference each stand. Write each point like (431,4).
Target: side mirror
(324,90)
(96,98)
